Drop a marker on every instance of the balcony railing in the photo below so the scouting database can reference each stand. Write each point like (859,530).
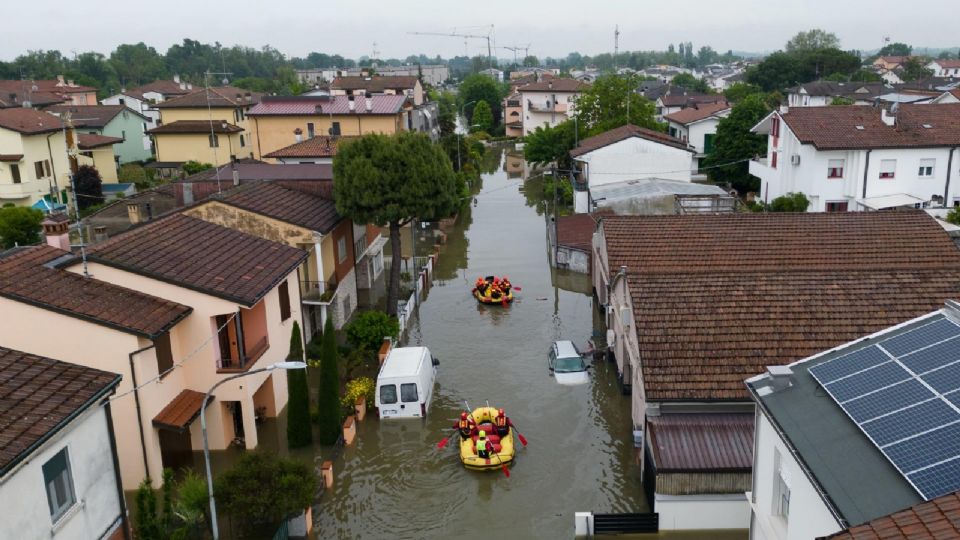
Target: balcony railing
(359,246)
(317,292)
(247,359)
(548,107)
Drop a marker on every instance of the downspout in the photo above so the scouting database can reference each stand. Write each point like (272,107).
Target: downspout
(53,166)
(866,169)
(256,122)
(125,525)
(136,399)
(946,186)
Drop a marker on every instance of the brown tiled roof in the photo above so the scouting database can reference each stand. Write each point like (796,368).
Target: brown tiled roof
(555,85)
(697,112)
(90,116)
(948,63)
(576,231)
(181,411)
(935,519)
(374,84)
(164,86)
(686,100)
(39,396)
(195,126)
(89,141)
(622,133)
(836,128)
(54,85)
(718,298)
(320,146)
(29,276)
(219,97)
(702,442)
(194,254)
(14,93)
(29,121)
(287,205)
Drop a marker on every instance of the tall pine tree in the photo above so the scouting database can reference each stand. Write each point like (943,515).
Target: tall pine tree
(299,430)
(329,413)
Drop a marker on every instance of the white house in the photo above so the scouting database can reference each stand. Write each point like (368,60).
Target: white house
(142,98)
(548,102)
(945,68)
(493,73)
(677,99)
(629,153)
(859,158)
(697,126)
(826,459)
(822,93)
(59,476)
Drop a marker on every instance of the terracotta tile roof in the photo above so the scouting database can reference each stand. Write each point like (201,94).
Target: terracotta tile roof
(14,93)
(219,97)
(374,84)
(850,89)
(39,396)
(181,411)
(702,442)
(194,254)
(931,520)
(338,105)
(54,85)
(948,64)
(686,100)
(89,141)
(321,146)
(555,85)
(249,172)
(28,275)
(836,128)
(287,205)
(29,121)
(195,126)
(718,298)
(697,112)
(622,133)
(90,116)
(164,86)
(576,231)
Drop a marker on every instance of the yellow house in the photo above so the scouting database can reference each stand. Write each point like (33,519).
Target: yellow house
(278,122)
(216,142)
(33,156)
(97,151)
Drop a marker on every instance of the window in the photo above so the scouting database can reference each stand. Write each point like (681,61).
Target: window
(310,132)
(773,159)
(335,129)
(242,141)
(926,168)
(341,249)
(59,482)
(775,127)
(835,168)
(38,169)
(15,172)
(388,393)
(123,134)
(837,206)
(408,393)
(708,142)
(284,291)
(781,487)
(888,168)
(46,167)
(122,101)
(214,140)
(236,116)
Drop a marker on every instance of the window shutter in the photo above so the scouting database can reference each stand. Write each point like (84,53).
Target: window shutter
(284,291)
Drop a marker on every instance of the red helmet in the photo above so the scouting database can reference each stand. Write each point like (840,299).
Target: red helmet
(500,411)
(463,416)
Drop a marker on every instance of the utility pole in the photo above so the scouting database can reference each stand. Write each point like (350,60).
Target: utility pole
(74,167)
(616,45)
(213,136)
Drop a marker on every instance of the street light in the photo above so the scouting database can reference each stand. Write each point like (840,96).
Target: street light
(203,426)
(462,115)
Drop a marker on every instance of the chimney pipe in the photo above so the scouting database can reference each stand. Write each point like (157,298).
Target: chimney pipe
(351,105)
(369,104)
(133,213)
(56,230)
(99,233)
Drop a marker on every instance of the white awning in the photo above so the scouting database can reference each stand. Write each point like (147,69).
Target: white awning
(890,201)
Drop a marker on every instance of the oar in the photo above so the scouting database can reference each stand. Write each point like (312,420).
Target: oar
(503,466)
(519,435)
(443,442)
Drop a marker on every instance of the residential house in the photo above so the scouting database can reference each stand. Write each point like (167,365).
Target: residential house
(848,436)
(493,73)
(676,100)
(118,215)
(628,153)
(319,149)
(822,93)
(33,157)
(697,126)
(861,158)
(367,86)
(889,63)
(547,103)
(277,122)
(112,121)
(311,178)
(40,93)
(59,476)
(319,76)
(434,75)
(513,115)
(656,196)
(98,152)
(143,98)
(944,68)
(663,73)
(694,304)
(340,255)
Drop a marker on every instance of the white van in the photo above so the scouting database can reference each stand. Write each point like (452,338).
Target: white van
(405,383)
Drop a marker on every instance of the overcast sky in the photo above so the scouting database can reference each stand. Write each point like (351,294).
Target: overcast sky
(554,28)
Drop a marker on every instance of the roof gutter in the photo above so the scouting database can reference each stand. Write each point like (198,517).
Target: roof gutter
(866,169)
(946,186)
(136,400)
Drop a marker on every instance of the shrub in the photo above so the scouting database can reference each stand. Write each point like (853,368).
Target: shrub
(953,216)
(369,328)
(193,167)
(19,225)
(361,386)
(299,430)
(791,202)
(329,406)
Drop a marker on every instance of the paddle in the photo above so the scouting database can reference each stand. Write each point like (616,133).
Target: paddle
(503,466)
(443,442)
(519,435)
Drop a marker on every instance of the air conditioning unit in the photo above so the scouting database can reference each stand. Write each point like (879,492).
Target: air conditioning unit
(795,159)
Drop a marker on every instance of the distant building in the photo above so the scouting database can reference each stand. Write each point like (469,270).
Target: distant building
(822,93)
(945,68)
(367,86)
(40,92)
(432,74)
(549,102)
(33,157)
(697,125)
(513,115)
(493,73)
(116,121)
(677,98)
(143,98)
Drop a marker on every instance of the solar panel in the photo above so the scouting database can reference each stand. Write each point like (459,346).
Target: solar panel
(904,393)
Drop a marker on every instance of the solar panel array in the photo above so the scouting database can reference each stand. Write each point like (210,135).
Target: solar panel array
(904,393)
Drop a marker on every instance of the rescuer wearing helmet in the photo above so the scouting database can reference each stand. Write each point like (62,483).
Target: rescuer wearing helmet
(483,445)
(502,423)
(465,426)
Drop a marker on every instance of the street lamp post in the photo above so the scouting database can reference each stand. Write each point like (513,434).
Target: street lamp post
(203,426)
(462,115)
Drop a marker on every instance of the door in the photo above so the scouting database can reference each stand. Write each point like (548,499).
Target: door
(410,400)
(388,400)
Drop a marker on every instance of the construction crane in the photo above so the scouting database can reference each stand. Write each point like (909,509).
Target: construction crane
(465,37)
(516,49)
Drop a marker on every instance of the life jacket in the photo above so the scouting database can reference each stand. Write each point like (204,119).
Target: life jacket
(464,425)
(481,445)
(500,421)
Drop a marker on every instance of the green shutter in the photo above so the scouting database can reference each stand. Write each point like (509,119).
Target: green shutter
(708,143)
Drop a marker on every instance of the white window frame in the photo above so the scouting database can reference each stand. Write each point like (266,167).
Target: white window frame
(926,168)
(57,509)
(781,489)
(888,169)
(341,249)
(835,165)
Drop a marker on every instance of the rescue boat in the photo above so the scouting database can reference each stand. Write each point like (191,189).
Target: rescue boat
(486,297)
(503,447)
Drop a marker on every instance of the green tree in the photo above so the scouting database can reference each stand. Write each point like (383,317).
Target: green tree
(865,75)
(368,329)
(299,429)
(735,144)
(262,490)
(193,167)
(482,118)
(447,103)
(390,181)
(690,82)
(738,91)
(329,406)
(896,49)
(531,61)
(840,100)
(914,69)
(791,202)
(89,187)
(146,524)
(612,101)
(782,70)
(551,144)
(813,39)
(19,226)
(953,216)
(476,88)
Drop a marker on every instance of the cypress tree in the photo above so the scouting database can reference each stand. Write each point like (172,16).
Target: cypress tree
(329,413)
(299,431)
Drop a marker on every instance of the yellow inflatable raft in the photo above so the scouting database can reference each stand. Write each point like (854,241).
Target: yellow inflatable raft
(485,292)
(503,446)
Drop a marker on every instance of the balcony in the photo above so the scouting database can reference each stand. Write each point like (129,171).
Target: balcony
(548,107)
(24,190)
(761,169)
(317,293)
(242,339)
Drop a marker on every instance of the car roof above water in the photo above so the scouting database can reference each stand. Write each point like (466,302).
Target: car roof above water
(566,349)
(403,362)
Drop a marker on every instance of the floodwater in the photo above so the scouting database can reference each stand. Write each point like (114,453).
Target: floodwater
(394,483)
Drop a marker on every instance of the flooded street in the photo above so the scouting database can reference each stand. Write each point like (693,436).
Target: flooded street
(394,482)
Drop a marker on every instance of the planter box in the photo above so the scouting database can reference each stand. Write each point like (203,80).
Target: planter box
(349,430)
(326,471)
(361,408)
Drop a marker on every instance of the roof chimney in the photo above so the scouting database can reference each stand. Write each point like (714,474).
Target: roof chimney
(59,80)
(550,84)
(351,105)
(369,103)
(889,117)
(133,213)
(298,135)
(176,78)
(784,109)
(99,233)
(56,230)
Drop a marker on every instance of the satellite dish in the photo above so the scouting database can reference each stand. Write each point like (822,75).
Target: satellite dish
(225,81)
